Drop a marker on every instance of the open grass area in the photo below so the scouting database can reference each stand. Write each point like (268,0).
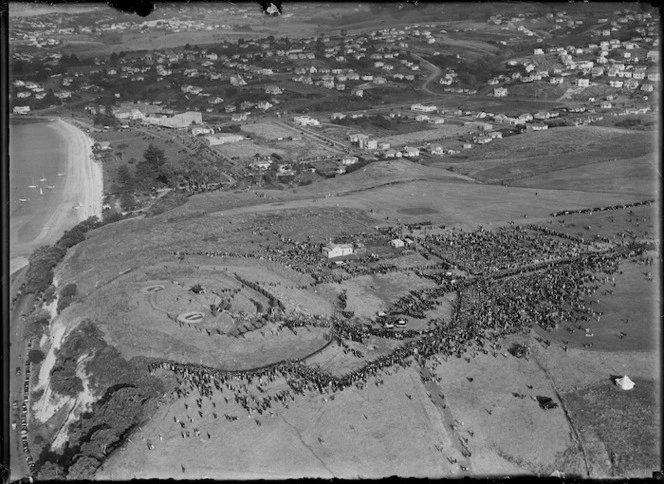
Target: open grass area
(530,154)
(623,421)
(267,130)
(635,175)
(432,134)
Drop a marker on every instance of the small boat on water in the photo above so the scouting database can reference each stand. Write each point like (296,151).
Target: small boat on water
(43,179)
(25,198)
(60,174)
(41,192)
(33,184)
(50,187)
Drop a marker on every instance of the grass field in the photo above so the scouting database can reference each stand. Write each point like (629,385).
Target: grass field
(418,137)
(542,152)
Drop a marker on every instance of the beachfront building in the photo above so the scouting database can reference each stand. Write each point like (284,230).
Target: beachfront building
(21,109)
(331,250)
(176,121)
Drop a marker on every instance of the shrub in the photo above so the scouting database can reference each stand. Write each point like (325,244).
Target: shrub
(35,357)
(66,296)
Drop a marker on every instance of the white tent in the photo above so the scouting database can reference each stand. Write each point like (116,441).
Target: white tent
(625,383)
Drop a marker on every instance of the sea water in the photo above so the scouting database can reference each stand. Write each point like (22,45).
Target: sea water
(37,155)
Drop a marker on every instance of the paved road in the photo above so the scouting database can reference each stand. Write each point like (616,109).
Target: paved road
(18,465)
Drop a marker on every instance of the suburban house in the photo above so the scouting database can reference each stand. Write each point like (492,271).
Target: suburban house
(500,92)
(436,150)
(410,152)
(349,160)
(397,243)
(331,250)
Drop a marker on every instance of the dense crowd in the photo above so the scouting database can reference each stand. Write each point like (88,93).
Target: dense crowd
(481,251)
(520,276)
(487,308)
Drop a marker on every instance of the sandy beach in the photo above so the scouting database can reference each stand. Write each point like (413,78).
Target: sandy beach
(81,197)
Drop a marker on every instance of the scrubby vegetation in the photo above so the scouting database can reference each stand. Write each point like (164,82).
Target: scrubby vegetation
(39,276)
(635,123)
(67,295)
(36,324)
(126,388)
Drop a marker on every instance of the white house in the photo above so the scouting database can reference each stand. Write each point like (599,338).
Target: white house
(583,82)
(422,108)
(410,152)
(306,121)
(500,92)
(331,250)
(397,243)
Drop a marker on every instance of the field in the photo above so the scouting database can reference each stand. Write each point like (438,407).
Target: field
(419,137)
(519,157)
(267,130)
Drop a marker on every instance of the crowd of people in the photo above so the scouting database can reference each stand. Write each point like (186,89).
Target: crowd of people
(482,251)
(520,276)
(602,209)
(486,309)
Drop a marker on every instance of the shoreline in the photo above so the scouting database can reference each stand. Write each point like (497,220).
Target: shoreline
(83,188)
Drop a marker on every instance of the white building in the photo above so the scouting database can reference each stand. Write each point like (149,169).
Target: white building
(181,120)
(197,130)
(223,138)
(422,108)
(306,121)
(331,250)
(397,243)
